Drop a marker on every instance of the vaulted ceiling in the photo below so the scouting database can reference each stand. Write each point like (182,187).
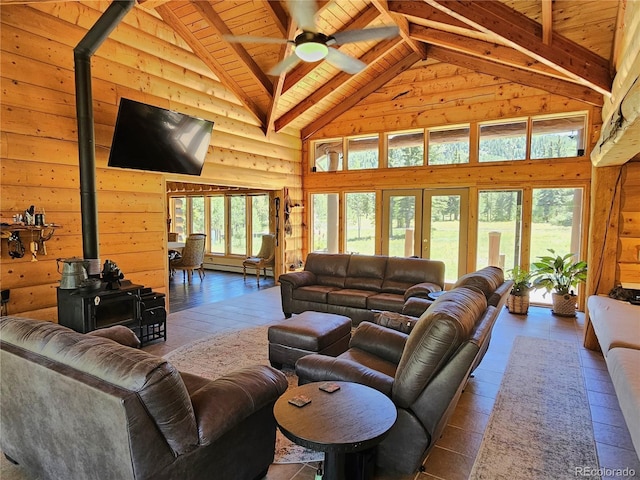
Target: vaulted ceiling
(565,47)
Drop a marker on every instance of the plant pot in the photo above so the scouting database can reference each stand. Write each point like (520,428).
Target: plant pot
(518,304)
(564,305)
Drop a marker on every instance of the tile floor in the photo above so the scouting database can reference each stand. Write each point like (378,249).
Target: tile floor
(454,453)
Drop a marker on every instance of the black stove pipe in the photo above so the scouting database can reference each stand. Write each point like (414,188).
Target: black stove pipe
(86,135)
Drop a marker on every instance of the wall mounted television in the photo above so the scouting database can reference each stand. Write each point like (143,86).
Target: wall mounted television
(159,140)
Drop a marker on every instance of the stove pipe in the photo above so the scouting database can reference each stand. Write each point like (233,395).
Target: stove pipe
(86,135)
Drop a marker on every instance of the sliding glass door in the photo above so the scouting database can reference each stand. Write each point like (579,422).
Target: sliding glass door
(429,223)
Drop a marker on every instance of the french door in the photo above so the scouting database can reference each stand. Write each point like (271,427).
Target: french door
(429,223)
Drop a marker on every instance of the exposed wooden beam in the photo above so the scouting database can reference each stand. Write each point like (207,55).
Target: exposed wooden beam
(151,4)
(363,19)
(518,31)
(424,11)
(350,102)
(278,85)
(479,48)
(547,21)
(403,25)
(536,80)
(325,90)
(227,80)
(211,16)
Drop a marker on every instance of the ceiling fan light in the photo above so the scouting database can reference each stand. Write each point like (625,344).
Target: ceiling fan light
(311,51)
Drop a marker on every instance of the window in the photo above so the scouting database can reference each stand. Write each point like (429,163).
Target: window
(499,228)
(402,225)
(197,215)
(178,209)
(405,149)
(557,137)
(238,223)
(259,221)
(556,223)
(218,224)
(324,222)
(328,155)
(503,141)
(360,222)
(362,152)
(448,146)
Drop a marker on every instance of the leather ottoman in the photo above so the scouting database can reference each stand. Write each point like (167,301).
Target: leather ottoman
(306,333)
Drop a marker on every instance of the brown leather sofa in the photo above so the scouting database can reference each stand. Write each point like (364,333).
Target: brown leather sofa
(82,406)
(356,285)
(423,372)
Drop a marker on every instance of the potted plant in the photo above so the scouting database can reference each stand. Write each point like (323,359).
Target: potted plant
(560,275)
(518,300)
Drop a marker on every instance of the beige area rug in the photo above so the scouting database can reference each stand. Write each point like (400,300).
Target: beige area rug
(540,426)
(216,355)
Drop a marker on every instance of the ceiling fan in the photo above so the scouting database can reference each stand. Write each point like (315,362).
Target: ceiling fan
(313,46)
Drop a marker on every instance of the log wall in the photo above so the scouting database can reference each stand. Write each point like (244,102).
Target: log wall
(143,60)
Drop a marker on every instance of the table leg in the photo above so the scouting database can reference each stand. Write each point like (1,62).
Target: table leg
(333,466)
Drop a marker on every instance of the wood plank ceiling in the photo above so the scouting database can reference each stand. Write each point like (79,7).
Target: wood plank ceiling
(566,47)
(561,46)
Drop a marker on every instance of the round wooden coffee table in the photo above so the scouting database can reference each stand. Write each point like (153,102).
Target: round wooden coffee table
(349,420)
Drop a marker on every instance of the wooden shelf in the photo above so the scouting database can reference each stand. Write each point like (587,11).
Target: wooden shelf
(39,235)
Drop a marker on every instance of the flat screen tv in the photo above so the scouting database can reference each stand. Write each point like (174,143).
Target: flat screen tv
(160,140)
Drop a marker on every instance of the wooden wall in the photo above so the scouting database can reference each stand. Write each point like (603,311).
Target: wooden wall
(628,268)
(143,60)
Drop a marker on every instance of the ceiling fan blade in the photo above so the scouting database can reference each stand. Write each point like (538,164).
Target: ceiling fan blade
(303,13)
(365,35)
(284,66)
(344,62)
(251,39)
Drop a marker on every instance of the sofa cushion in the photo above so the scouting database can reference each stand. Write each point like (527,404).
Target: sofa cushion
(330,268)
(616,323)
(403,273)
(366,272)
(386,301)
(622,364)
(313,293)
(349,297)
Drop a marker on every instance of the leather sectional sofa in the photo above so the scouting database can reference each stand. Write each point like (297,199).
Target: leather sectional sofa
(81,406)
(616,324)
(356,285)
(423,372)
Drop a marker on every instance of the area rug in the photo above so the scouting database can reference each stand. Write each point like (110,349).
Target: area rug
(216,355)
(540,426)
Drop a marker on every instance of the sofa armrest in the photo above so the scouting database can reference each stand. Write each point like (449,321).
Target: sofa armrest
(421,290)
(224,402)
(499,297)
(298,279)
(415,306)
(118,333)
(318,368)
(380,341)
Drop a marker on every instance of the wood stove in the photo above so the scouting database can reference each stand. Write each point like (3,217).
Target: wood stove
(131,305)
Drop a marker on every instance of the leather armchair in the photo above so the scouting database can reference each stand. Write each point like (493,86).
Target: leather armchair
(423,372)
(100,409)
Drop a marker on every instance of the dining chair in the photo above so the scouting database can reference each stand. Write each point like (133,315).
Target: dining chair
(264,259)
(192,257)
